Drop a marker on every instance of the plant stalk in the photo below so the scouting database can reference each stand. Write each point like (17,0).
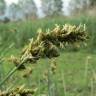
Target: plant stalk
(10,73)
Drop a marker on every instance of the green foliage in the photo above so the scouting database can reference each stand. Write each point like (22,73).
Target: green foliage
(58,5)
(47,45)
(92,3)
(20,32)
(14,10)
(81,6)
(29,8)
(78,6)
(52,8)
(2,6)
(70,64)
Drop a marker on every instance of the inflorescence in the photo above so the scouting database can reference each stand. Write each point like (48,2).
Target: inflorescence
(47,44)
(19,91)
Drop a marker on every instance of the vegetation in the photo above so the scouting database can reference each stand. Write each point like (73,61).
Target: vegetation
(21,91)
(72,73)
(27,6)
(52,8)
(19,32)
(2,7)
(30,10)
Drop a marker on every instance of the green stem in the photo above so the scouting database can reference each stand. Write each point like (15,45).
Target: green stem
(2,59)
(10,74)
(49,80)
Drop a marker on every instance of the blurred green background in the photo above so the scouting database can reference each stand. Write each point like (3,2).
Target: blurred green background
(76,67)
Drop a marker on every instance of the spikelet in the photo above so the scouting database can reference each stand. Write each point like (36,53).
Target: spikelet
(28,72)
(19,91)
(41,36)
(16,61)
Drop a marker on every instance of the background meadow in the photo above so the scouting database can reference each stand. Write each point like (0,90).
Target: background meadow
(76,66)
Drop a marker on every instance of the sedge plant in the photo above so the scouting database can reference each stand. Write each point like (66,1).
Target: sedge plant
(48,45)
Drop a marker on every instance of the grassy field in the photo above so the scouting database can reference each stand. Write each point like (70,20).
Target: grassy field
(75,75)
(75,71)
(20,32)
